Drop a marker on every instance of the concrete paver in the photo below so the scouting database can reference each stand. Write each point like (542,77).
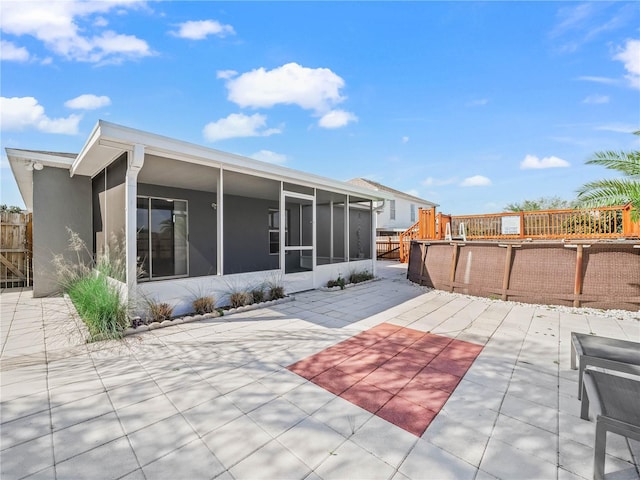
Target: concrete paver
(214,399)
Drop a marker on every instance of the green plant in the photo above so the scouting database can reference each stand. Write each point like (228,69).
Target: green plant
(159,311)
(542,203)
(205,304)
(99,302)
(358,277)
(100,306)
(113,261)
(10,208)
(338,282)
(239,298)
(257,295)
(275,288)
(276,292)
(616,191)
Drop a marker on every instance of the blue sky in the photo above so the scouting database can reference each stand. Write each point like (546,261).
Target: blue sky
(470,105)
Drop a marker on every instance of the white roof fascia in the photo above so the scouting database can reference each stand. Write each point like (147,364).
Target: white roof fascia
(93,138)
(19,159)
(113,135)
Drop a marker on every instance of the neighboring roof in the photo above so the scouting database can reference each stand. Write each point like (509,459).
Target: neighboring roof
(20,159)
(363,182)
(108,141)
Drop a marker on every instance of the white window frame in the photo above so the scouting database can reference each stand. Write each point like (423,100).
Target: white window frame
(392,209)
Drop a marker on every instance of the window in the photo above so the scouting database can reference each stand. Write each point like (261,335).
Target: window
(392,209)
(413,212)
(162,238)
(274,230)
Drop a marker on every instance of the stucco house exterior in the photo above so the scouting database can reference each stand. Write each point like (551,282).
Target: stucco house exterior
(399,212)
(192,218)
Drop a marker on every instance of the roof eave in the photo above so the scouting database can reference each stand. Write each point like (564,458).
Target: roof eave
(114,139)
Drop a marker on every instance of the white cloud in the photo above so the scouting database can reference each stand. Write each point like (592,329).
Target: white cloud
(630,56)
(238,125)
(270,157)
(533,162)
(100,22)
(475,181)
(19,113)
(315,89)
(596,99)
(413,192)
(9,51)
(88,102)
(438,182)
(336,119)
(61,27)
(226,74)
(481,102)
(584,22)
(603,80)
(617,128)
(405,139)
(201,29)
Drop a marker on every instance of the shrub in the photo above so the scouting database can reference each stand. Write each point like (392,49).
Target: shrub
(239,298)
(358,277)
(98,302)
(257,295)
(205,304)
(276,292)
(159,311)
(339,282)
(100,306)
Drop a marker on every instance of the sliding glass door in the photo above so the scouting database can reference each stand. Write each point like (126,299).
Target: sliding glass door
(162,238)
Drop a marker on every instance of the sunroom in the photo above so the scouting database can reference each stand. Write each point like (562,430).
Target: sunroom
(196,220)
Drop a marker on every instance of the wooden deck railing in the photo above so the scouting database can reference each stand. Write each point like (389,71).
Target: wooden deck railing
(603,222)
(411,233)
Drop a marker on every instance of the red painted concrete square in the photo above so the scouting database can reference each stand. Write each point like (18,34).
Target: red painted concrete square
(402,375)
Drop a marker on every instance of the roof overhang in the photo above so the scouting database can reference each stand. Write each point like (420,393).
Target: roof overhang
(22,161)
(108,141)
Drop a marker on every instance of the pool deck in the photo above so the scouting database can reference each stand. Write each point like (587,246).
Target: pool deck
(217,399)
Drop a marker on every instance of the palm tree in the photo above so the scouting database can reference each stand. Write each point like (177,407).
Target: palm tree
(615,191)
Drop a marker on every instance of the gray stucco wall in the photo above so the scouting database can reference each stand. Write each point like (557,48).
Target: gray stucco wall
(246,235)
(202,225)
(59,202)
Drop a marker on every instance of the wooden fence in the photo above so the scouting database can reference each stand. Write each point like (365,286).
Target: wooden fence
(591,224)
(602,222)
(387,248)
(15,250)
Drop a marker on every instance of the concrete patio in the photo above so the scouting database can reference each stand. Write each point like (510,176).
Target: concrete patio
(214,399)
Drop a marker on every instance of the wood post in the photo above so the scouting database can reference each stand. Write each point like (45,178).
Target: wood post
(521,224)
(577,289)
(507,269)
(423,250)
(507,272)
(454,263)
(577,284)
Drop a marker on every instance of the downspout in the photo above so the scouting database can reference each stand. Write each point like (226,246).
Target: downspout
(374,233)
(380,208)
(136,160)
